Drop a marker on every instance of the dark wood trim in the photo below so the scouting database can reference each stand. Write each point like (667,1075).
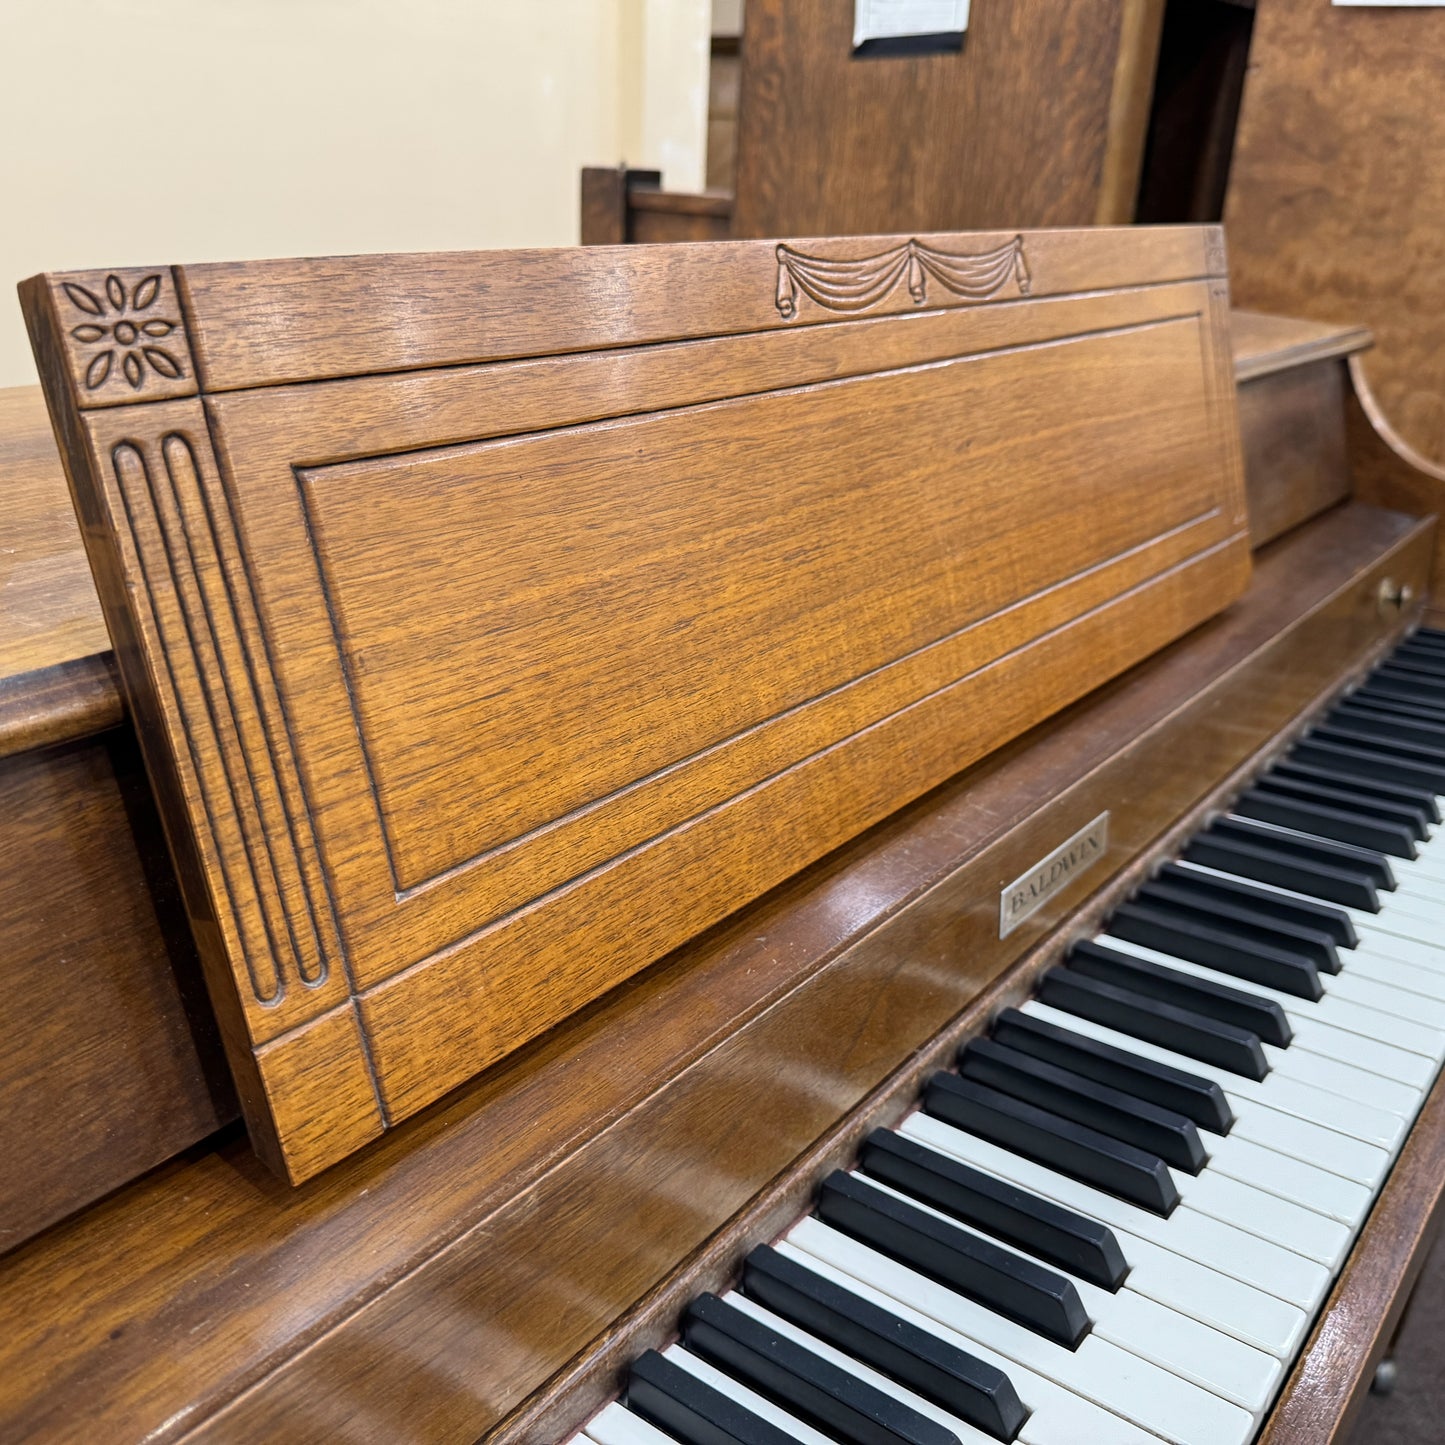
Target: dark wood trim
(57,704)
(1265,344)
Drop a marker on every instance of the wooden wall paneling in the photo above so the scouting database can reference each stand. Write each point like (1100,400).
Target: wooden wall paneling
(416,817)
(1335,209)
(477,1251)
(1038,121)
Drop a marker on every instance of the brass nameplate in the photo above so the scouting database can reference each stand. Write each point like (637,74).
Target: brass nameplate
(1030,891)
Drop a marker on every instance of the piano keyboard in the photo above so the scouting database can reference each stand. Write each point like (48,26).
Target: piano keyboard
(1115,1221)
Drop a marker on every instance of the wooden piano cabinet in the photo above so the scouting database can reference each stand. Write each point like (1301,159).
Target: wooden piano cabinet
(1293,382)
(110,1065)
(481,614)
(487,1267)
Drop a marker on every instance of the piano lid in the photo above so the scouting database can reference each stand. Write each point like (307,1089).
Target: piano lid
(494,623)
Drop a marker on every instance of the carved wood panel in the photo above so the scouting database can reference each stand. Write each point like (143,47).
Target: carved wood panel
(473,686)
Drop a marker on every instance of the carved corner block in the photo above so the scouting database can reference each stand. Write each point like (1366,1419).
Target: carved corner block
(1216,257)
(123,335)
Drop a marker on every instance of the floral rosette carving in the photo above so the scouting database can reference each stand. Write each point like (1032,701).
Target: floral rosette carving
(122,332)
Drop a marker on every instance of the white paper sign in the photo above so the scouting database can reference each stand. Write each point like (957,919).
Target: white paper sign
(896,19)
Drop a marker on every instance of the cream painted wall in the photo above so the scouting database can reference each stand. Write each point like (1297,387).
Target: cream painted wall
(138,131)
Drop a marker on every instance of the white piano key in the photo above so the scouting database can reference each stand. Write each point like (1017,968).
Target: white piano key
(1340,1199)
(1113,1377)
(1387,965)
(617,1425)
(967,1434)
(1401,916)
(1175,1341)
(1385,997)
(1337,1028)
(1057,1415)
(1266,1265)
(1319,1089)
(1365,1164)
(1192,1288)
(739,1393)
(1267,1215)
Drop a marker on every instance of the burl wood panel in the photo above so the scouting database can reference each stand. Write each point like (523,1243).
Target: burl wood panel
(114,1067)
(433,1286)
(1038,121)
(472,689)
(1336,207)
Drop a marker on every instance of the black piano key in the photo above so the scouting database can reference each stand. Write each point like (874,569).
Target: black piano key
(1235,917)
(1389,745)
(1348,800)
(1328,852)
(1421,654)
(1183,937)
(1176,1029)
(1071,1096)
(1248,860)
(692,1412)
(1045,1301)
(1073,1149)
(953,1379)
(1402,660)
(1324,753)
(1326,822)
(1192,1095)
(1262,1016)
(1388,679)
(1364,716)
(1046,1230)
(1303,912)
(1378,706)
(803,1383)
(1419,798)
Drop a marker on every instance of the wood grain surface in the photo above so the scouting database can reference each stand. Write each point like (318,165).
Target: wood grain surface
(432,1286)
(116,1066)
(1038,121)
(1335,209)
(470,690)
(1292,428)
(1262,344)
(49,613)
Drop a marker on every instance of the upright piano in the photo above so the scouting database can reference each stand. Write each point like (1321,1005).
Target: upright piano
(830,841)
